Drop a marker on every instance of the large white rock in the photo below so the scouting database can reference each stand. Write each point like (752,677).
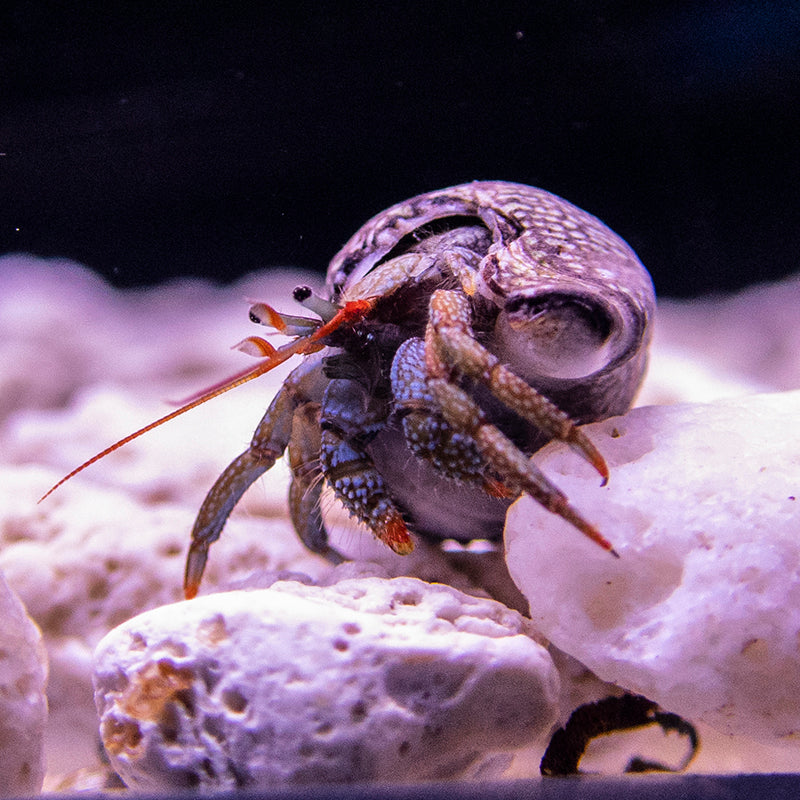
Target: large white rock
(701,612)
(23,707)
(367,679)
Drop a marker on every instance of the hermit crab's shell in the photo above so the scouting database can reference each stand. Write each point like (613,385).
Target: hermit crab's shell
(574,302)
(563,241)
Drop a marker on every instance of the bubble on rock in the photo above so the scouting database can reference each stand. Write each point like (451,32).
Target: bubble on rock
(366,680)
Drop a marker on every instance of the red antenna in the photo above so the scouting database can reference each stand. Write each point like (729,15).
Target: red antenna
(311,342)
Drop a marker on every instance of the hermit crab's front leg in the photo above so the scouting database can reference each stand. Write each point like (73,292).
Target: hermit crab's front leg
(450,451)
(450,350)
(304,386)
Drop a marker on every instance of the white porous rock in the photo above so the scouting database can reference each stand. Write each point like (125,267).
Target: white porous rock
(23,707)
(701,612)
(93,556)
(365,680)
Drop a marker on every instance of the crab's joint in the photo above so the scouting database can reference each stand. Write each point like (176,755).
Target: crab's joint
(351,312)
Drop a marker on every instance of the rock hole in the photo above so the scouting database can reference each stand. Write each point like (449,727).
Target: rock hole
(186,698)
(208,768)
(215,728)
(57,618)
(358,711)
(240,775)
(213,631)
(175,649)
(234,700)
(210,674)
(170,723)
(341,645)
(120,735)
(155,685)
(408,599)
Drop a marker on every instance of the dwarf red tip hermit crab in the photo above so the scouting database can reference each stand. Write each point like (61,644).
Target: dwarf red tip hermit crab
(462,329)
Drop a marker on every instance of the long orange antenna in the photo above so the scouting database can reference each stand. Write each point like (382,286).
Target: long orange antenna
(231,383)
(350,312)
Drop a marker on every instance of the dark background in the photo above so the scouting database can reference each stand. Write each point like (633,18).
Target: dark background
(202,140)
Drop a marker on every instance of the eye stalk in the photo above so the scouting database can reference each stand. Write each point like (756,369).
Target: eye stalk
(323,308)
(289,324)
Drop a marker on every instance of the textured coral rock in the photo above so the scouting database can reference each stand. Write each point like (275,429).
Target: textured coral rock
(97,556)
(701,612)
(366,679)
(82,364)
(23,708)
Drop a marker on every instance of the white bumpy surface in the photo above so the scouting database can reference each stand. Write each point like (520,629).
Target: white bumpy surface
(82,364)
(365,680)
(23,707)
(701,612)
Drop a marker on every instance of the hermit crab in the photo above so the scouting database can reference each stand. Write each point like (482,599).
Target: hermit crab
(461,331)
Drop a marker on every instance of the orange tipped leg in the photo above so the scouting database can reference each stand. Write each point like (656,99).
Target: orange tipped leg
(392,531)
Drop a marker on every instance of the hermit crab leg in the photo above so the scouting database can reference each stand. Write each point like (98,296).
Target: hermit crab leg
(305,489)
(304,385)
(273,435)
(307,344)
(450,346)
(348,467)
(450,341)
